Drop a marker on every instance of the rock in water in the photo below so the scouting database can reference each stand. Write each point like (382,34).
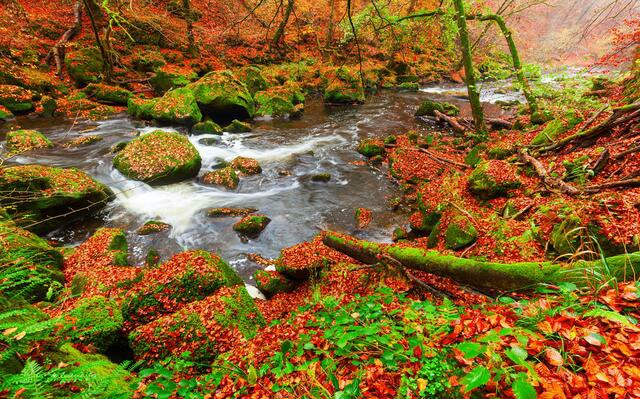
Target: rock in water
(42,195)
(159,158)
(252,225)
(19,141)
(221,94)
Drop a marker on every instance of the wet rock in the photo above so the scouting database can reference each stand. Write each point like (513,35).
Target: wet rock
(206,127)
(106,94)
(221,94)
(84,65)
(19,141)
(153,227)
(230,212)
(252,225)
(159,158)
(209,141)
(48,106)
(117,147)
(225,177)
(204,328)
(46,193)
(176,106)
(237,126)
(16,99)
(84,141)
(321,177)
(186,277)
(246,166)
(492,179)
(272,283)
(371,147)
(29,265)
(460,233)
(5,114)
(429,107)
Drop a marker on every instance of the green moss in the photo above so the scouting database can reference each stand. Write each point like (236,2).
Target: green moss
(409,86)
(230,212)
(460,234)
(206,127)
(49,106)
(221,94)
(153,227)
(237,126)
(46,193)
(177,106)
(95,321)
(16,99)
(246,166)
(108,94)
(321,177)
(5,114)
(252,78)
(159,158)
(371,147)
(428,108)
(226,177)
(84,65)
(272,282)
(141,108)
(556,128)
(168,78)
(251,225)
(19,141)
(493,179)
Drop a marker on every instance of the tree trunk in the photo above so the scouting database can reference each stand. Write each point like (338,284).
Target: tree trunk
(467,59)
(487,275)
(330,28)
(57,51)
(188,16)
(278,38)
(107,64)
(515,57)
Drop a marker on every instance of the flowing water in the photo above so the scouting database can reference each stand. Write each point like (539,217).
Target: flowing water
(290,152)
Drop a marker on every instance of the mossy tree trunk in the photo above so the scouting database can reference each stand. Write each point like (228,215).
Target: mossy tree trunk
(188,16)
(515,56)
(107,61)
(488,275)
(467,60)
(278,37)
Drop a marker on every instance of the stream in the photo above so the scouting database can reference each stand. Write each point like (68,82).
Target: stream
(290,152)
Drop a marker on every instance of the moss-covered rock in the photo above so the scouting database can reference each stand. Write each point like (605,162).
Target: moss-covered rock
(429,107)
(220,94)
(141,108)
(556,128)
(246,166)
(147,60)
(48,106)
(19,141)
(5,114)
(344,87)
(16,99)
(153,227)
(272,282)
(84,65)
(44,194)
(460,233)
(83,141)
(252,77)
(94,321)
(279,100)
(106,94)
(170,77)
(206,127)
(492,179)
(251,225)
(225,177)
(425,221)
(29,266)
(230,212)
(371,147)
(237,126)
(159,158)
(186,277)
(205,328)
(177,106)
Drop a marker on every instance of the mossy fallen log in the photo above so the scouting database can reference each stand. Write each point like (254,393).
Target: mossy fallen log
(490,275)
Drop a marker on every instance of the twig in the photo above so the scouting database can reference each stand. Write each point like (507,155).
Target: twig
(542,173)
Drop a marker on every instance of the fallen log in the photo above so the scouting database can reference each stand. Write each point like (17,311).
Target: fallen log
(486,275)
(613,184)
(453,122)
(547,179)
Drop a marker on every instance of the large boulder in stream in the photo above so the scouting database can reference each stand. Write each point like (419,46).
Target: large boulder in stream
(159,158)
(204,328)
(41,197)
(429,108)
(220,94)
(177,106)
(19,141)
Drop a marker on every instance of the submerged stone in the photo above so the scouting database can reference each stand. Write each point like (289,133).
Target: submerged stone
(237,126)
(19,141)
(159,158)
(321,177)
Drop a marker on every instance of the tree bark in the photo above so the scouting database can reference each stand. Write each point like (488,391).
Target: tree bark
(107,64)
(467,59)
(188,16)
(486,275)
(278,38)
(57,51)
